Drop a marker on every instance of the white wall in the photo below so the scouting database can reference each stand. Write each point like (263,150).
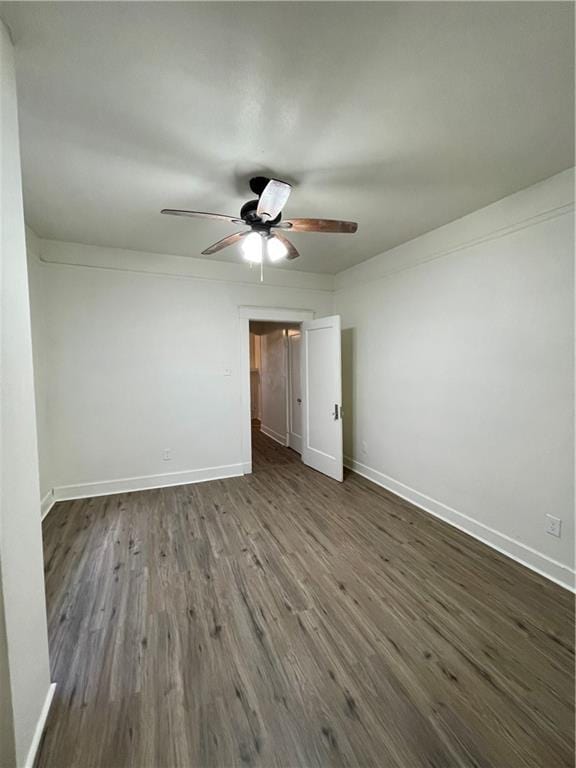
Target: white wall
(273,385)
(458,372)
(144,356)
(23,635)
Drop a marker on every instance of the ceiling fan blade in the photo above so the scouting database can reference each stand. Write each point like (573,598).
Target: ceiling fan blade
(224,243)
(292,252)
(273,199)
(202,215)
(321,225)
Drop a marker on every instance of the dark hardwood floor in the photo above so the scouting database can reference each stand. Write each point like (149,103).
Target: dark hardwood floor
(282,619)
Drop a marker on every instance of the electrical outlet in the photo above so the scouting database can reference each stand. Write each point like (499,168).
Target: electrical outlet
(553,526)
(364,447)
(167,454)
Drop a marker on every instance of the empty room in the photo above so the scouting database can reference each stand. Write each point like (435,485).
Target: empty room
(287,385)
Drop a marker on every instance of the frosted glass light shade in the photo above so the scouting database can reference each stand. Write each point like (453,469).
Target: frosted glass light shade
(252,247)
(276,249)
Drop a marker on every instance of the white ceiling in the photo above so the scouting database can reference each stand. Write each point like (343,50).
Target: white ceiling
(401,116)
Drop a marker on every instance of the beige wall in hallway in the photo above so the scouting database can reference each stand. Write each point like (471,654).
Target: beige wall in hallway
(273,382)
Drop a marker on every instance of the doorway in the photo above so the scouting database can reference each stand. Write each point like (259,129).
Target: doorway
(284,317)
(275,384)
(298,410)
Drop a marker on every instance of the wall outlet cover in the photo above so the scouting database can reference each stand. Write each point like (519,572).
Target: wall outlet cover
(553,525)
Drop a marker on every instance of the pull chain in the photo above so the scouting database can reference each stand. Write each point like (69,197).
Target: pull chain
(251,265)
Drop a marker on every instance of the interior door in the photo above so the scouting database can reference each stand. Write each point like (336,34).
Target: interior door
(295,391)
(322,396)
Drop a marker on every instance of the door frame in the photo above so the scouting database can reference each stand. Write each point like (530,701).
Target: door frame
(245,314)
(289,392)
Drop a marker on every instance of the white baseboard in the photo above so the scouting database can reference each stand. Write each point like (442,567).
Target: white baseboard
(31,757)
(521,553)
(146,482)
(47,503)
(274,435)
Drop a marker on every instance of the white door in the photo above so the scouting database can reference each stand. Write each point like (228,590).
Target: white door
(322,396)
(295,391)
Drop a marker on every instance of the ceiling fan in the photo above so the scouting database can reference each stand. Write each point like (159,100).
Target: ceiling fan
(266,228)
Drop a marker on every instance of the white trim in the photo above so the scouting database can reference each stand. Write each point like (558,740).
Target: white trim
(38,731)
(245,314)
(294,440)
(521,553)
(282,439)
(245,390)
(286,386)
(275,314)
(147,482)
(46,503)
(348,281)
(84,256)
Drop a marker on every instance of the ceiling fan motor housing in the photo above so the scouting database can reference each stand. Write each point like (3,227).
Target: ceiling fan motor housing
(249,215)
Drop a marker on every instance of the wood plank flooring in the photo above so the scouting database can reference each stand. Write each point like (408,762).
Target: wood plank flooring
(282,619)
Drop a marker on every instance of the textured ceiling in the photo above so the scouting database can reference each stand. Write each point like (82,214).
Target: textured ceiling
(401,116)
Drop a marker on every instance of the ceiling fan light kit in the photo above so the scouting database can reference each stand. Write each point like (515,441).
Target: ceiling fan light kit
(255,244)
(264,217)
(252,247)
(276,249)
